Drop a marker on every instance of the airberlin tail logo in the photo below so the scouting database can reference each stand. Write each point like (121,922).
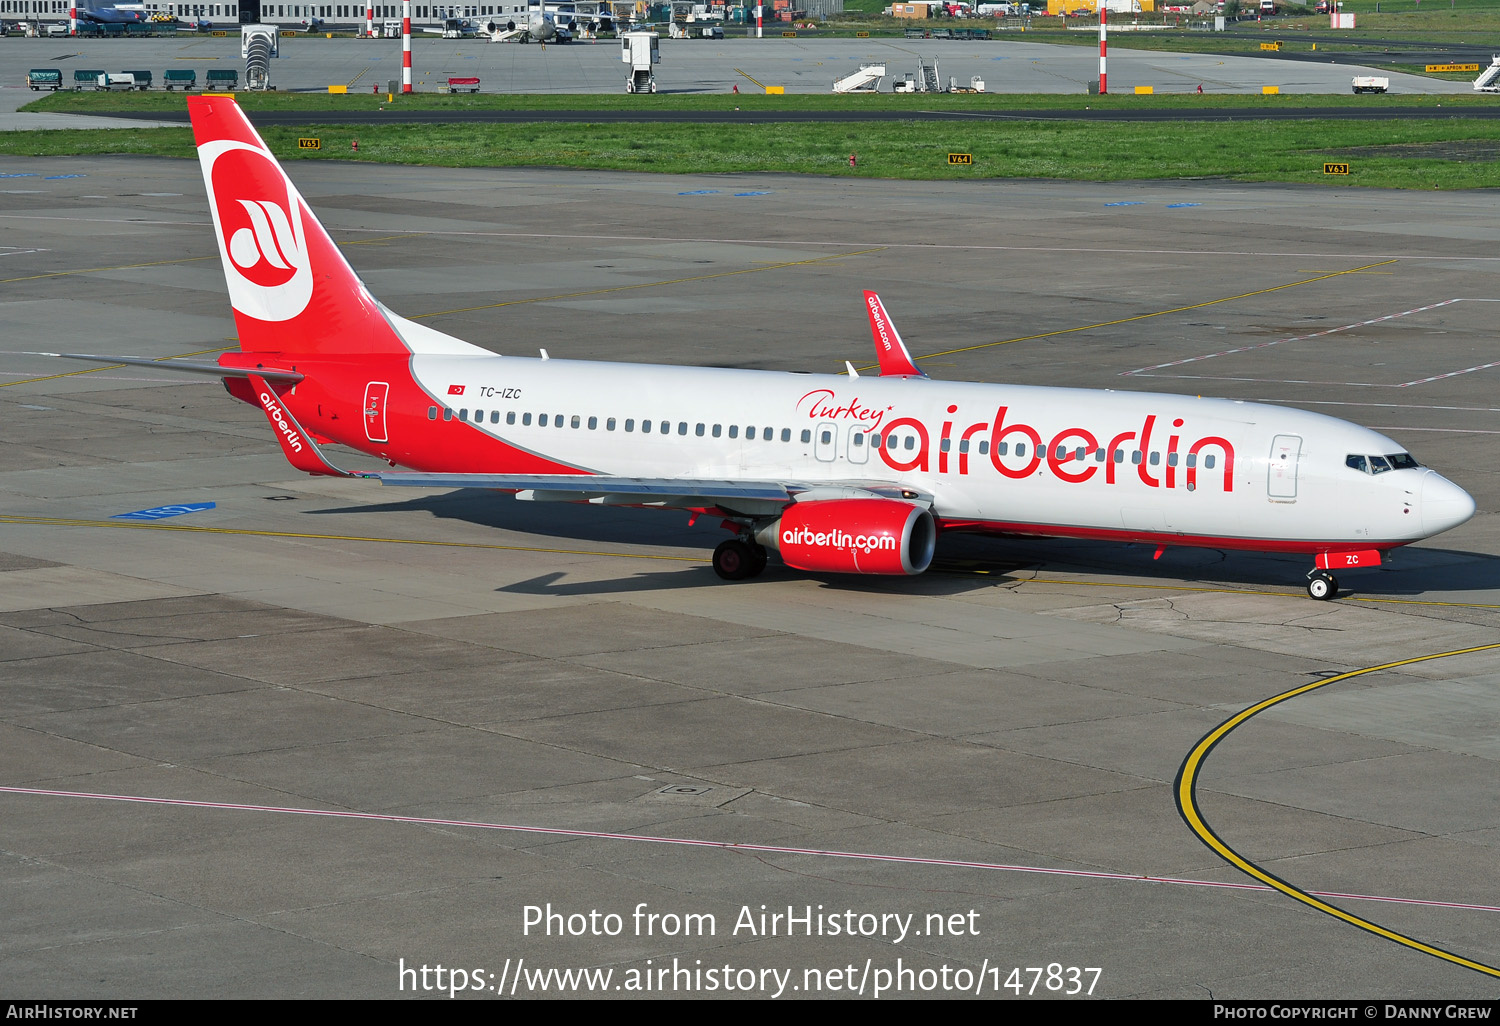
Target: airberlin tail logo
(261,250)
(258,214)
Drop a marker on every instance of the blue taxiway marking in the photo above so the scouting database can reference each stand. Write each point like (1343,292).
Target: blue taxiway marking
(163,512)
(1127,203)
(699,192)
(1173,206)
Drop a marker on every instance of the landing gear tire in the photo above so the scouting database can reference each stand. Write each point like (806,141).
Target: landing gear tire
(734,560)
(1322,585)
(759,566)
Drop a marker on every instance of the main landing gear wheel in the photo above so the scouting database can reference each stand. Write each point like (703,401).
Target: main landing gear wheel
(1322,585)
(735,560)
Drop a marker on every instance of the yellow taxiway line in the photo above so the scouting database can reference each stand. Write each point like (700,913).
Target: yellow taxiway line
(1187,807)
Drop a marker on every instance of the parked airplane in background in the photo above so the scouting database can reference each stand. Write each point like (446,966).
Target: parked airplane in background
(537,25)
(115,14)
(837,473)
(122,14)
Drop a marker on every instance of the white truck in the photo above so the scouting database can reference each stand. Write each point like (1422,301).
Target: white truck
(1371,84)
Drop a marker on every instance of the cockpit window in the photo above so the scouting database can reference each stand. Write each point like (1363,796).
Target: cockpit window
(1380,464)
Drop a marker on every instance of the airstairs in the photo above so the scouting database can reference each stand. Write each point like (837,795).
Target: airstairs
(1486,83)
(866,80)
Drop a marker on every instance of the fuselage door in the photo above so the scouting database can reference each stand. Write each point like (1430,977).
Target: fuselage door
(858,449)
(1281,478)
(375,399)
(826,441)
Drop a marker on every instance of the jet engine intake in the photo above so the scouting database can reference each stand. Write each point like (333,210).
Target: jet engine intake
(853,536)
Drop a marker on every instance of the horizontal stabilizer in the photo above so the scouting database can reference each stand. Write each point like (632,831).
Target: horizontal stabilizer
(290,377)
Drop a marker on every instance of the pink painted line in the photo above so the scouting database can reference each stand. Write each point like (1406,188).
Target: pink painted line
(729,845)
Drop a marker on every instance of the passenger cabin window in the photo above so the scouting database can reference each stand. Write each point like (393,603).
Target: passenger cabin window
(541,420)
(510,417)
(432,413)
(786,434)
(807,437)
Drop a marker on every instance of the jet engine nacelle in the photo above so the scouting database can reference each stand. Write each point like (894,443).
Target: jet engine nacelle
(853,536)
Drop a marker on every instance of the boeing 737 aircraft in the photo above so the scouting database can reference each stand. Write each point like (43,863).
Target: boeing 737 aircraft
(836,473)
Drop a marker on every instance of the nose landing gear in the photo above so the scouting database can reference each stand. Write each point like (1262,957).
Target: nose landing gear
(1322,585)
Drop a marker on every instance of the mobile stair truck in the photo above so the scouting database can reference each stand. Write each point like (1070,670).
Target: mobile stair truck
(640,50)
(1486,83)
(866,80)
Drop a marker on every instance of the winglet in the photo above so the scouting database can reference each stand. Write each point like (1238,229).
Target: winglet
(889,349)
(296,444)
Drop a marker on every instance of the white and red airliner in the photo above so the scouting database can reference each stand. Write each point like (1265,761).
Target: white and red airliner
(836,473)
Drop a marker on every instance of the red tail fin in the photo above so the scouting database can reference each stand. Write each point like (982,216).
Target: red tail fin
(291,288)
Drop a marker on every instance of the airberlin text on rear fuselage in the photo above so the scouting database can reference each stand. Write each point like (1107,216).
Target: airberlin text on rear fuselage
(1070,454)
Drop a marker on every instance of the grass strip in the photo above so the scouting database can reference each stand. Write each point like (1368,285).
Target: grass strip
(1403,155)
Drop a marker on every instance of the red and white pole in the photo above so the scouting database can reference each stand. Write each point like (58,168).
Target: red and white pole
(1103,50)
(406,46)
(369,19)
(73,20)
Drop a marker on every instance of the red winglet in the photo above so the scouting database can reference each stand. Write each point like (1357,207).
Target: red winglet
(889,349)
(296,444)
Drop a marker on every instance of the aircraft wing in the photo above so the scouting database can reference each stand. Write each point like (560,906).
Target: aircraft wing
(757,498)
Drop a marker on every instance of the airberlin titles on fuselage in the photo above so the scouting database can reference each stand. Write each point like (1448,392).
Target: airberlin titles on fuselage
(1011,447)
(1074,454)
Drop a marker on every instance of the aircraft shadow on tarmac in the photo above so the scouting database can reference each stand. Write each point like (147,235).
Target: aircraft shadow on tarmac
(964,562)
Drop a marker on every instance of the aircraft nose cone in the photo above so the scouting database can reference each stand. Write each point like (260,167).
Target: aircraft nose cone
(1444,504)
